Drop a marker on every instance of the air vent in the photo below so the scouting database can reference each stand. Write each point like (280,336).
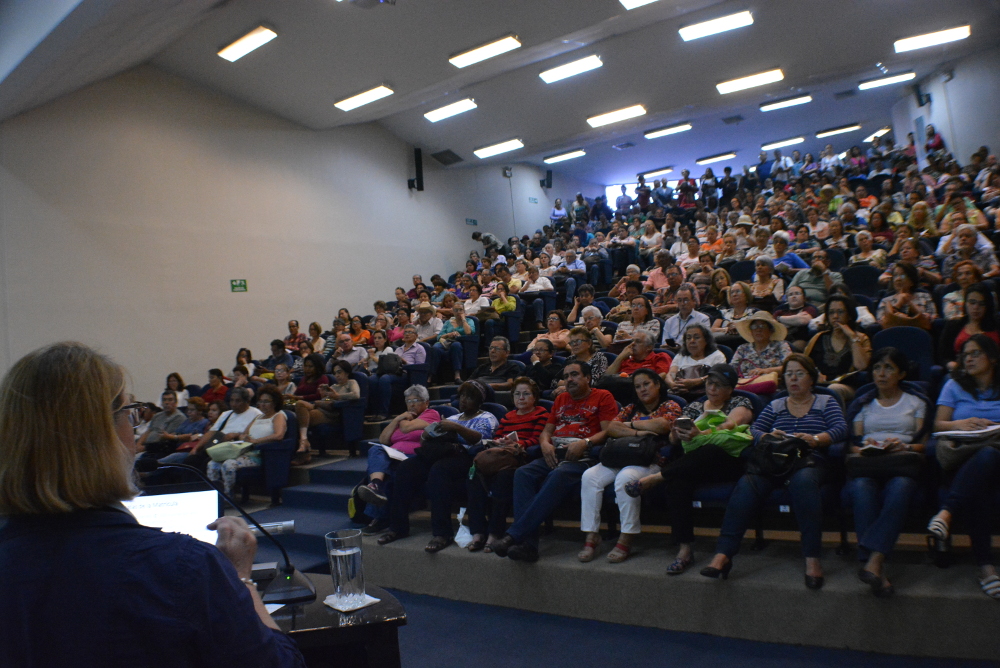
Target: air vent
(623,146)
(446,157)
(844,94)
(733,120)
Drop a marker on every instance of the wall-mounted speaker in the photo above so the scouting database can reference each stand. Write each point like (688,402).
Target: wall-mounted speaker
(923,99)
(547,181)
(418,164)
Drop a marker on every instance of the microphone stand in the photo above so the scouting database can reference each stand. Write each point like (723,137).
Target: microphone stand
(288,585)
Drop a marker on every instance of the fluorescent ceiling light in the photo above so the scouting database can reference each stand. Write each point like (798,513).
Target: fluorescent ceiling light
(931,39)
(450,110)
(716,158)
(749,82)
(362,99)
(615,116)
(838,131)
(843,156)
(663,132)
(886,81)
(571,69)
(658,172)
(256,38)
(721,24)
(783,143)
(632,4)
(877,133)
(787,102)
(497,149)
(578,153)
(486,51)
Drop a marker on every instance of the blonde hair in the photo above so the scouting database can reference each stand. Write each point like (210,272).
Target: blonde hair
(59,448)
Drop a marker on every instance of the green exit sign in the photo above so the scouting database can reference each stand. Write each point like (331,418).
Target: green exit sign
(533,200)
(471,221)
(238,285)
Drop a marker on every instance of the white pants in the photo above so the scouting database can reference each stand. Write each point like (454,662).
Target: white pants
(592,485)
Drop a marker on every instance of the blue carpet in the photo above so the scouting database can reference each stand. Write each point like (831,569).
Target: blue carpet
(441,632)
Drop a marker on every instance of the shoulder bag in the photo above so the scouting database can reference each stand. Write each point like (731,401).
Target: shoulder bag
(499,457)
(618,453)
(777,456)
(389,363)
(885,466)
(952,453)
(436,445)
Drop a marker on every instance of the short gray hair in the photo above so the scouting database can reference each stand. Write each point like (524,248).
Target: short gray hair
(781,235)
(764,259)
(503,340)
(967,226)
(240,393)
(407,327)
(644,336)
(418,392)
(592,310)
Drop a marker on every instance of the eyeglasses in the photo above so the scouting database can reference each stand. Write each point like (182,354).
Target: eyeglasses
(795,375)
(132,411)
(576,342)
(497,349)
(414,400)
(759,325)
(973,355)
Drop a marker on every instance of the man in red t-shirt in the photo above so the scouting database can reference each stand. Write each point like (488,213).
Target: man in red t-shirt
(636,355)
(578,420)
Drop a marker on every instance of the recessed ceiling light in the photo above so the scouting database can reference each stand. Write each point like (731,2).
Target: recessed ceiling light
(615,116)
(578,153)
(783,143)
(450,110)
(571,69)
(256,38)
(658,172)
(663,132)
(837,131)
(721,24)
(362,99)
(751,81)
(716,158)
(787,102)
(632,4)
(497,149)
(484,52)
(931,39)
(877,133)
(886,81)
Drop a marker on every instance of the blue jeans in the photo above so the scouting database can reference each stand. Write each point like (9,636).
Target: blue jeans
(535,305)
(442,481)
(455,352)
(381,391)
(878,524)
(538,491)
(379,462)
(751,492)
(971,492)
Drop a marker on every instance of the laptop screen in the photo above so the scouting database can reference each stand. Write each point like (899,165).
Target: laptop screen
(183,512)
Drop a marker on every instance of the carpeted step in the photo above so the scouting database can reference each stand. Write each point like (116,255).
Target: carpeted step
(318,496)
(345,472)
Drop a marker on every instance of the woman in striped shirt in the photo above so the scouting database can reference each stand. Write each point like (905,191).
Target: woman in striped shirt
(522,427)
(819,421)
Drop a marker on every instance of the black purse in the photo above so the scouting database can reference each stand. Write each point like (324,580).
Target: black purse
(389,363)
(777,456)
(630,451)
(435,446)
(885,466)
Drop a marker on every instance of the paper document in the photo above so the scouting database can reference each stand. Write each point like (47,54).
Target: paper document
(976,433)
(394,453)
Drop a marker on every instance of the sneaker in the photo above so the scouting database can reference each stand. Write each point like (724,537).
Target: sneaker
(373,493)
(375,527)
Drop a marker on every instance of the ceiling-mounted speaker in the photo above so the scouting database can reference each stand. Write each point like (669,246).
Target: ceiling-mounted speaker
(418,164)
(547,181)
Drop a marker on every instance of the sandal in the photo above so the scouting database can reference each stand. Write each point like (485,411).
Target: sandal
(589,550)
(679,566)
(478,543)
(991,586)
(388,537)
(938,527)
(437,544)
(620,553)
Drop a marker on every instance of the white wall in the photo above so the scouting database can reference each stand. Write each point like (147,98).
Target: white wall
(963,110)
(127,207)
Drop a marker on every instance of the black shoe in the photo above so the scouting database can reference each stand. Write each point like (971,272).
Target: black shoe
(375,527)
(389,537)
(373,493)
(523,552)
(875,582)
(712,572)
(501,547)
(438,543)
(814,581)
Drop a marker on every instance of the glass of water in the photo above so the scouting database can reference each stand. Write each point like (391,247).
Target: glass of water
(344,549)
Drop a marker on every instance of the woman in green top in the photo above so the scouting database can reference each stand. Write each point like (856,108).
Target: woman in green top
(702,462)
(448,344)
(504,303)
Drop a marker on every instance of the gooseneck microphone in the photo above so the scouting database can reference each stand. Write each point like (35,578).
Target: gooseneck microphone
(288,585)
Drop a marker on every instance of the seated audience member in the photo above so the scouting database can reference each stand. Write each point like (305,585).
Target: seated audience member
(762,244)
(355,356)
(818,228)
(703,461)
(636,355)
(78,551)
(598,262)
(380,346)
(690,259)
(440,476)
(402,434)
(410,352)
(796,315)
(641,320)
(767,289)
(653,414)
(241,377)
(323,410)
(359,335)
(578,421)
(308,391)
(491,497)
(545,369)
(445,306)
(842,349)
(965,249)
(217,390)
(964,274)
(909,253)
(602,332)
(838,238)
(581,342)
(268,427)
(632,273)
(316,334)
(330,347)
(428,325)
(278,356)
(818,420)
(584,298)
(529,293)
(283,380)
(176,383)
(816,282)
(867,252)
(623,311)
(294,337)
(571,272)
(557,331)
(907,306)
(231,424)
(305,350)
(718,290)
(730,252)
(396,333)
(156,439)
(503,302)
(979,317)
(865,317)
(689,368)
(759,360)
(499,372)
(786,264)
(969,401)
(665,302)
(891,418)
(724,328)
(675,325)
(449,345)
(657,278)
(476,304)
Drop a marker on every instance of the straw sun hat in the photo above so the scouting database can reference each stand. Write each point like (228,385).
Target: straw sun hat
(778,331)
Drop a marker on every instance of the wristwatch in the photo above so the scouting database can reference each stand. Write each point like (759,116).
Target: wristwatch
(587,441)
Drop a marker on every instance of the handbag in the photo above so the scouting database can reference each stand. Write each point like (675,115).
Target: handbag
(885,466)
(618,453)
(219,435)
(777,456)
(436,445)
(498,458)
(952,453)
(228,450)
(391,364)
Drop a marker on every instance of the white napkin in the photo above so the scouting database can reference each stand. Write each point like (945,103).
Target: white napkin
(350,606)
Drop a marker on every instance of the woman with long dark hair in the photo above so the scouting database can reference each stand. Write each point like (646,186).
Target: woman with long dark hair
(978,317)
